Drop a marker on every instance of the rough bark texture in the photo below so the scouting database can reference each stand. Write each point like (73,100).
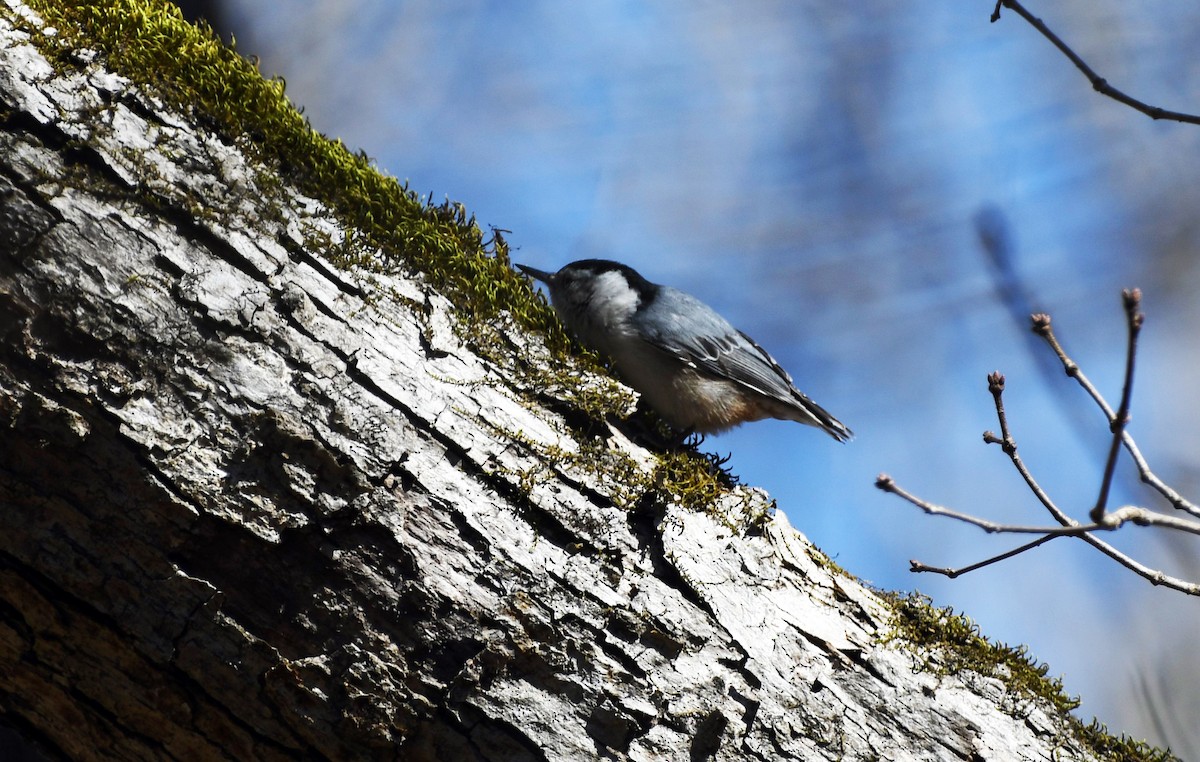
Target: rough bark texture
(249,508)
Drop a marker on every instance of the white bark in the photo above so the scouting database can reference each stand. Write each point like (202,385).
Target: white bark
(250,508)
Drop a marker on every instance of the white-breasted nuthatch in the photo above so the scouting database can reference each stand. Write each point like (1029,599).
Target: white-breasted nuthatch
(691,366)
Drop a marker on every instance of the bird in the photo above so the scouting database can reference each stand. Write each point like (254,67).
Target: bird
(694,369)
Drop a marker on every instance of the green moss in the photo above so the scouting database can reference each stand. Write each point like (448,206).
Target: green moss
(947,643)
(689,479)
(389,228)
(149,42)
(825,562)
(682,476)
(616,472)
(1122,749)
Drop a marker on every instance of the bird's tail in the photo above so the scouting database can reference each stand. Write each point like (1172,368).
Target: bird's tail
(815,415)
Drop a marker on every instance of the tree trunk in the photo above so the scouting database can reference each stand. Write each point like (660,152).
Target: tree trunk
(252,506)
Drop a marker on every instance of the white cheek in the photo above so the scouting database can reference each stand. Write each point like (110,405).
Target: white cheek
(604,322)
(614,300)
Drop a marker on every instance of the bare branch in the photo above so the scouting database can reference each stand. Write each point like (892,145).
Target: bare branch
(1150,478)
(917,566)
(1146,518)
(1154,576)
(1111,521)
(1134,318)
(1009,445)
(1101,519)
(1116,519)
(1041,325)
(1099,84)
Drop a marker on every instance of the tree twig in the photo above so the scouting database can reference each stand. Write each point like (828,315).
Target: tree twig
(1042,326)
(1111,520)
(1009,445)
(1154,576)
(1099,84)
(916,566)
(1131,298)
(1101,519)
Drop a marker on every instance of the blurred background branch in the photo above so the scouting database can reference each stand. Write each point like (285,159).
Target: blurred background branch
(1099,84)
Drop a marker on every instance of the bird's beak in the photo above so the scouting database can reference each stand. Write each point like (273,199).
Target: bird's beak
(535,273)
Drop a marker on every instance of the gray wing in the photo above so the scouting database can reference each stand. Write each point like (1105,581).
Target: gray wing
(689,329)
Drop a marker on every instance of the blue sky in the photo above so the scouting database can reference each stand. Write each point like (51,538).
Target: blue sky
(813,171)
